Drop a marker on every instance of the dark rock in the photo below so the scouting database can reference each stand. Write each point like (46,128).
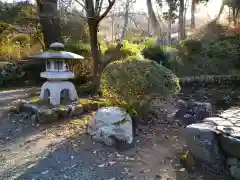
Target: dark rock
(44,114)
(135,121)
(18,105)
(29,108)
(62,111)
(123,145)
(34,119)
(193,111)
(182,106)
(202,143)
(47,115)
(230,145)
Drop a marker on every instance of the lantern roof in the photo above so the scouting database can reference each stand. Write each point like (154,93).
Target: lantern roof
(55,54)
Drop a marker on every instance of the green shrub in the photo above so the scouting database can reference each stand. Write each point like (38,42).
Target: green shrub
(33,70)
(134,82)
(191,46)
(21,39)
(113,54)
(213,57)
(160,55)
(81,68)
(80,48)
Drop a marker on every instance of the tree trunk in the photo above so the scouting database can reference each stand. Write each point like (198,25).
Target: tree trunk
(93,28)
(124,29)
(170,12)
(157,29)
(193,9)
(49,20)
(181,20)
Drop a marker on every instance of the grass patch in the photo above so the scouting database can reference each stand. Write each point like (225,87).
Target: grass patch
(82,121)
(89,104)
(40,102)
(93,104)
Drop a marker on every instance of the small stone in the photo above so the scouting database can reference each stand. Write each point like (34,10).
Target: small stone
(45,172)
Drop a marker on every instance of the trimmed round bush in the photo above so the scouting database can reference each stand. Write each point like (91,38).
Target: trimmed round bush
(136,80)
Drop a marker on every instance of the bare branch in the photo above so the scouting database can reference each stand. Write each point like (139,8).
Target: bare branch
(103,15)
(98,10)
(81,4)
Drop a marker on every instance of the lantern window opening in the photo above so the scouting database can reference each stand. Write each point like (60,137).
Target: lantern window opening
(58,65)
(48,65)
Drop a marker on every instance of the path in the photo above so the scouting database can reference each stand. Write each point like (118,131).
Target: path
(57,152)
(62,151)
(8,96)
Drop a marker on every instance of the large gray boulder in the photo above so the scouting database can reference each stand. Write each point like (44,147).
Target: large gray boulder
(227,125)
(203,144)
(111,124)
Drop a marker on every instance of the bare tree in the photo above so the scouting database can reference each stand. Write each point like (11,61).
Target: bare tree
(95,13)
(124,29)
(193,9)
(181,20)
(157,25)
(170,16)
(235,5)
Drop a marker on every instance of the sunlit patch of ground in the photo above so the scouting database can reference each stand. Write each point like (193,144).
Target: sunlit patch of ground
(6,97)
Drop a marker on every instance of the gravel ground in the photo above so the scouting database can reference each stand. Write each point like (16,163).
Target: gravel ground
(63,151)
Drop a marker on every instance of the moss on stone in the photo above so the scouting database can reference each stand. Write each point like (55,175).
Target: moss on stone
(40,102)
(93,104)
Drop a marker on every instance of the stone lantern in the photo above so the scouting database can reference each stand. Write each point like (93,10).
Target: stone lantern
(57,88)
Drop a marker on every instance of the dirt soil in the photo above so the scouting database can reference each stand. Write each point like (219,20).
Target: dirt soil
(63,151)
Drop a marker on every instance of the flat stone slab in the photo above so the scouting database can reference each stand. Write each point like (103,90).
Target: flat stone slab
(205,139)
(202,143)
(47,113)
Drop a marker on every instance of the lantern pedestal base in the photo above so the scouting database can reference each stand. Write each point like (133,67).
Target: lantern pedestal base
(58,92)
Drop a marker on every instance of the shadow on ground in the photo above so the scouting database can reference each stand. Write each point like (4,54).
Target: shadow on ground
(63,151)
